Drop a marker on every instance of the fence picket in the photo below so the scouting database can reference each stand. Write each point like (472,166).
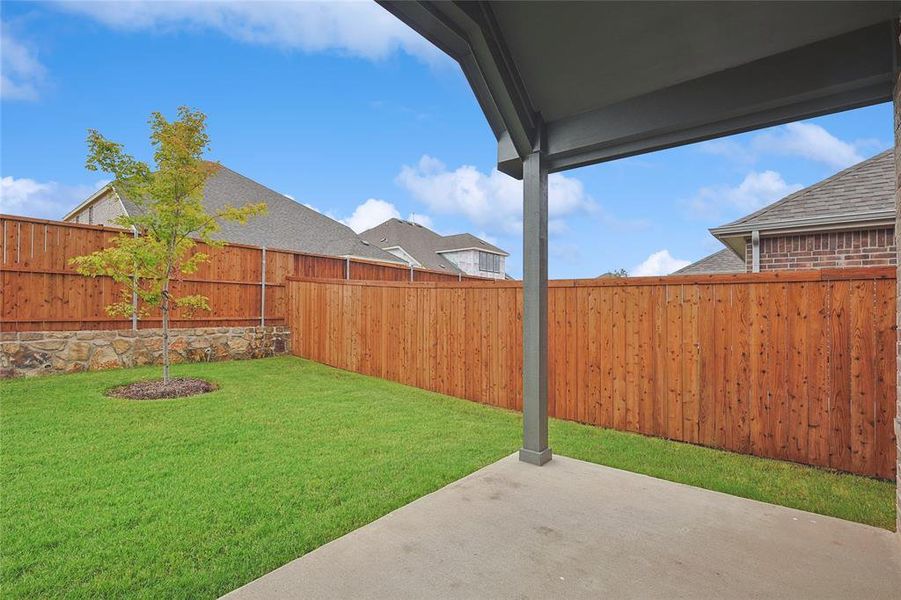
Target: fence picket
(797,366)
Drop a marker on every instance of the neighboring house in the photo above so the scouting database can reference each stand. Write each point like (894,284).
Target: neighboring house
(847,220)
(287,225)
(421,247)
(723,261)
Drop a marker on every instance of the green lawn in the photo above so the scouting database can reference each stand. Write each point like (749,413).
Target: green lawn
(192,498)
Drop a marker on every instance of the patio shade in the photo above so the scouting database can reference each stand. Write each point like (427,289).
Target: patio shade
(568,84)
(612,79)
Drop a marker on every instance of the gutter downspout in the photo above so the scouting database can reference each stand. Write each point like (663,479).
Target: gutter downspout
(755,251)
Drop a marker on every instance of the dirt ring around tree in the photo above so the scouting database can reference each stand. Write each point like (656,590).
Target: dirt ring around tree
(155,389)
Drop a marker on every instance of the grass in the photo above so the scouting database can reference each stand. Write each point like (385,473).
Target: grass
(193,497)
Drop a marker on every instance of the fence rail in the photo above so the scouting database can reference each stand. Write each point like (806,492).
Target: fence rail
(797,366)
(39,290)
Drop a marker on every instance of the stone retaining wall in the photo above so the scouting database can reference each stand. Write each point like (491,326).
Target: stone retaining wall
(45,352)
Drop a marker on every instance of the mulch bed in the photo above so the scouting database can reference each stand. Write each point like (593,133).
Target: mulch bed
(177,387)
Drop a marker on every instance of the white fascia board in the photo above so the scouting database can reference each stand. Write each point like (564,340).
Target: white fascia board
(401,248)
(819,223)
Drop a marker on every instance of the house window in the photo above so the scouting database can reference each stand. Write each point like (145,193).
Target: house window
(490,263)
(91,215)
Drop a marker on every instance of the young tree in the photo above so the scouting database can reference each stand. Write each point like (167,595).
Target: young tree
(170,216)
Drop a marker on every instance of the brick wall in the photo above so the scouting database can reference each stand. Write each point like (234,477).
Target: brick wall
(104,211)
(872,247)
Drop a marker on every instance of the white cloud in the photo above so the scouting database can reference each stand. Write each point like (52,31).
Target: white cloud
(424,220)
(21,74)
(804,140)
(658,263)
(361,29)
(45,200)
(729,148)
(755,191)
(493,201)
(808,141)
(371,213)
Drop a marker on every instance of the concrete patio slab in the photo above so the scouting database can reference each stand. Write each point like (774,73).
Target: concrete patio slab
(572,529)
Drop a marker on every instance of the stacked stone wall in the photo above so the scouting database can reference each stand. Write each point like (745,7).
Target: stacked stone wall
(45,352)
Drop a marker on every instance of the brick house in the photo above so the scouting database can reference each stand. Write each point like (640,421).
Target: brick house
(847,220)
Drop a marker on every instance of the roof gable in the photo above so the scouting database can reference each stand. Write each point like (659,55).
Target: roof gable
(423,244)
(416,240)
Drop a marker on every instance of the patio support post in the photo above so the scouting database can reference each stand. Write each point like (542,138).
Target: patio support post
(534,323)
(896,97)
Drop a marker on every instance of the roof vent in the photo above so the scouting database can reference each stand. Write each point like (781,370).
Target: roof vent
(365,243)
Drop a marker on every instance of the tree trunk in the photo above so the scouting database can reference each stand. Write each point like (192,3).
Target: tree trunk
(164,308)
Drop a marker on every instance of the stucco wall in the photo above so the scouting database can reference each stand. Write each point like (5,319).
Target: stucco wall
(47,352)
(468,262)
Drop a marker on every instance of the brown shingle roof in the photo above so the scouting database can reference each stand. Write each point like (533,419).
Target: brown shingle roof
(287,224)
(724,261)
(863,188)
(423,244)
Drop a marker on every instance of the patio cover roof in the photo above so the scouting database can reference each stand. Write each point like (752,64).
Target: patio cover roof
(567,84)
(612,79)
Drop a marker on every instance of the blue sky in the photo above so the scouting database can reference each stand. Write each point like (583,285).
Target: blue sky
(343,108)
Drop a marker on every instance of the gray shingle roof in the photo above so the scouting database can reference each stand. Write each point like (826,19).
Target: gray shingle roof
(287,225)
(422,243)
(866,187)
(724,261)
(467,240)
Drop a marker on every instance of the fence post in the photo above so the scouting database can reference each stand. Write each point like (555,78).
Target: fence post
(346,267)
(134,291)
(459,277)
(411,273)
(263,290)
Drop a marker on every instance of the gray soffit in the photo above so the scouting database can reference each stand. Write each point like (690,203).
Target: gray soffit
(606,80)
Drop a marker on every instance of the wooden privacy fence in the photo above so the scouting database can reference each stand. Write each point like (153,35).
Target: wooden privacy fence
(41,291)
(792,365)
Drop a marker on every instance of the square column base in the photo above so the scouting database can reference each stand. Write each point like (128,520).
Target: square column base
(535,458)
